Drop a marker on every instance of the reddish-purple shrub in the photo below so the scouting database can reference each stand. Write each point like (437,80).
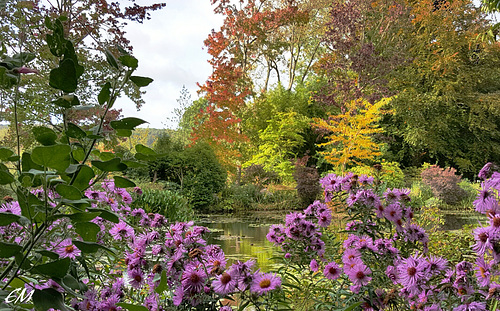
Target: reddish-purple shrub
(444,183)
(308,187)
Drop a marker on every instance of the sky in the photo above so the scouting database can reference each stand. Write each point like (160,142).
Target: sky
(170,50)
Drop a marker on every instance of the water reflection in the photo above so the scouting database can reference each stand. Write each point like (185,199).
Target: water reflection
(242,237)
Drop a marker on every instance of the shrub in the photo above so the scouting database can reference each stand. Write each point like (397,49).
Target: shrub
(256,174)
(420,193)
(195,171)
(444,184)
(471,189)
(308,187)
(170,204)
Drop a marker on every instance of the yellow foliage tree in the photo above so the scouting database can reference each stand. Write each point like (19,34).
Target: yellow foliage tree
(351,133)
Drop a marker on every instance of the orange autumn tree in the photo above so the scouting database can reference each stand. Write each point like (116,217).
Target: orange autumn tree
(237,51)
(350,137)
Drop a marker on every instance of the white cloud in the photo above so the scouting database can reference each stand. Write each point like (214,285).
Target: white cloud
(169,48)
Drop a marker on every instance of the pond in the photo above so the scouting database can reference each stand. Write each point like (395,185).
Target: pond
(243,236)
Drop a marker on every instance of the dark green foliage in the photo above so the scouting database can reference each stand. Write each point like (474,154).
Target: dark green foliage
(195,169)
(170,204)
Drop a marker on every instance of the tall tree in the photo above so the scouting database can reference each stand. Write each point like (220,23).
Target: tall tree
(350,135)
(447,109)
(94,25)
(257,37)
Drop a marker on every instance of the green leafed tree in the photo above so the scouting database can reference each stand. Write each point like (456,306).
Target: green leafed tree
(279,143)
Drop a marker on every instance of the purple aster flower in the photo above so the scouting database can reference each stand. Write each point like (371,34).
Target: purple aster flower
(136,277)
(415,233)
(264,283)
(314,265)
(11,207)
(224,284)
(412,270)
(391,195)
(473,306)
(483,242)
(359,274)
(485,200)
(393,212)
(392,274)
(463,267)
(364,180)
(486,171)
(482,272)
(193,279)
(331,183)
(332,271)
(121,231)
(324,219)
(495,223)
(66,249)
(436,264)
(351,255)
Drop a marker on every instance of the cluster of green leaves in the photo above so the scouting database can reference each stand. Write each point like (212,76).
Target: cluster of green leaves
(63,162)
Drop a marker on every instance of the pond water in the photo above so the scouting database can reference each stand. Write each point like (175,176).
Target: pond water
(243,236)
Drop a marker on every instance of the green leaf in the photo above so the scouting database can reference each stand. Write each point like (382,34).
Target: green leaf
(78,155)
(85,175)
(64,77)
(127,123)
(5,153)
(114,165)
(54,269)
(104,94)
(87,230)
(56,156)
(123,133)
(71,282)
(141,81)
(121,182)
(49,254)
(8,218)
(67,101)
(48,298)
(90,247)
(131,307)
(145,150)
(68,192)
(106,156)
(6,178)
(111,59)
(8,250)
(105,214)
(74,131)
(129,61)
(44,135)
(133,164)
(163,283)
(27,163)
